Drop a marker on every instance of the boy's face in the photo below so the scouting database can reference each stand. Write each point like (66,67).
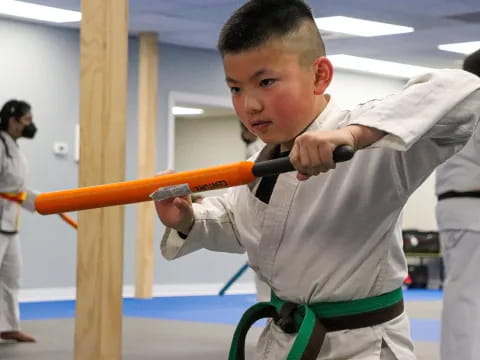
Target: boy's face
(273,95)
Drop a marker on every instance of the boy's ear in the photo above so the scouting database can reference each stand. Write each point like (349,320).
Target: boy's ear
(323,74)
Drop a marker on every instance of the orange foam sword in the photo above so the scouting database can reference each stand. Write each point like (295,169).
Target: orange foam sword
(21,196)
(166,186)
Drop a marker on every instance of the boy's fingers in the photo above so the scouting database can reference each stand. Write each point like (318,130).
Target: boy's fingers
(296,160)
(315,157)
(327,157)
(297,157)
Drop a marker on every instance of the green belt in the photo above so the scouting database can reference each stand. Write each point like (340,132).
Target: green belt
(312,321)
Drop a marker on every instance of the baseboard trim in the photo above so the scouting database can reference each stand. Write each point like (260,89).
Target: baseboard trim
(163,290)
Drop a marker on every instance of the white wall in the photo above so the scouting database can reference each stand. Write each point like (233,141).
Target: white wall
(419,212)
(207,142)
(351,88)
(41,65)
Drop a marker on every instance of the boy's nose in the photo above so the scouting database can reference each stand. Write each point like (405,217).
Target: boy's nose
(252,105)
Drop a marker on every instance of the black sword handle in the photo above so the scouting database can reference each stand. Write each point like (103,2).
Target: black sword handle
(281,165)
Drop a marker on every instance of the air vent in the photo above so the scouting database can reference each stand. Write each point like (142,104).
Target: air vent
(473,17)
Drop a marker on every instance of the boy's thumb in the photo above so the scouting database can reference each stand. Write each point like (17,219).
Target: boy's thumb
(182,204)
(302,177)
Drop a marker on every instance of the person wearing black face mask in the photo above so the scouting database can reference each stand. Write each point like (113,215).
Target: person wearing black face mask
(15,122)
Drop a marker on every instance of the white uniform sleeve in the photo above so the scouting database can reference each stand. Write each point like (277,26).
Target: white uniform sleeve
(5,187)
(429,121)
(214,229)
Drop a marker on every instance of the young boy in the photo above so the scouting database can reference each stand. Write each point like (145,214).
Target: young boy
(329,246)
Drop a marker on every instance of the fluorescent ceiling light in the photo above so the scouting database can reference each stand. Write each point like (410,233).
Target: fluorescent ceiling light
(377,66)
(38,12)
(359,27)
(179,110)
(463,48)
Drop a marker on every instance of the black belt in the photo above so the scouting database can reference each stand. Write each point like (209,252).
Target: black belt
(456,194)
(8,232)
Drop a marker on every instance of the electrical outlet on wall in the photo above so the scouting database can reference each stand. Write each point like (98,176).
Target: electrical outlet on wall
(60,148)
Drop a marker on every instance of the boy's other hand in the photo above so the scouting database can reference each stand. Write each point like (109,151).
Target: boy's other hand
(177,212)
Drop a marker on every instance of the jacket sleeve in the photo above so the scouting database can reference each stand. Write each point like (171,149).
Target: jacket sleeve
(429,121)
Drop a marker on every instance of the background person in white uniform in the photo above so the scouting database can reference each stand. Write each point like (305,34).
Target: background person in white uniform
(458,218)
(16,121)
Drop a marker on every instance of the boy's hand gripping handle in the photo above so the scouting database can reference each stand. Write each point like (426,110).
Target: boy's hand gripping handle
(282,165)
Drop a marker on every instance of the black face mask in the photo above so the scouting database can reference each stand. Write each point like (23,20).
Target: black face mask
(29,131)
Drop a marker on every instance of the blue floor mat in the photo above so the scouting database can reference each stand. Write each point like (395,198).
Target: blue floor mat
(422,295)
(211,309)
(47,310)
(427,330)
(214,309)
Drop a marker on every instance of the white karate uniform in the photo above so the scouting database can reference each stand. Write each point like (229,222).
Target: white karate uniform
(12,180)
(459,225)
(337,236)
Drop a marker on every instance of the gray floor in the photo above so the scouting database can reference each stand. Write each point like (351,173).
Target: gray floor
(143,339)
(148,339)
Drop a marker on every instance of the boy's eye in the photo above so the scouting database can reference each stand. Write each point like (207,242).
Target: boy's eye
(234,90)
(267,82)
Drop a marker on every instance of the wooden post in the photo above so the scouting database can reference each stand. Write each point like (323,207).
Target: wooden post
(147,118)
(103,96)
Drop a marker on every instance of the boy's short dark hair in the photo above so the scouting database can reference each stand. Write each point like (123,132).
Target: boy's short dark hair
(259,21)
(472,63)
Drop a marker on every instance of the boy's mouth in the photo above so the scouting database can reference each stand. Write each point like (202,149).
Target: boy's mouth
(260,124)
